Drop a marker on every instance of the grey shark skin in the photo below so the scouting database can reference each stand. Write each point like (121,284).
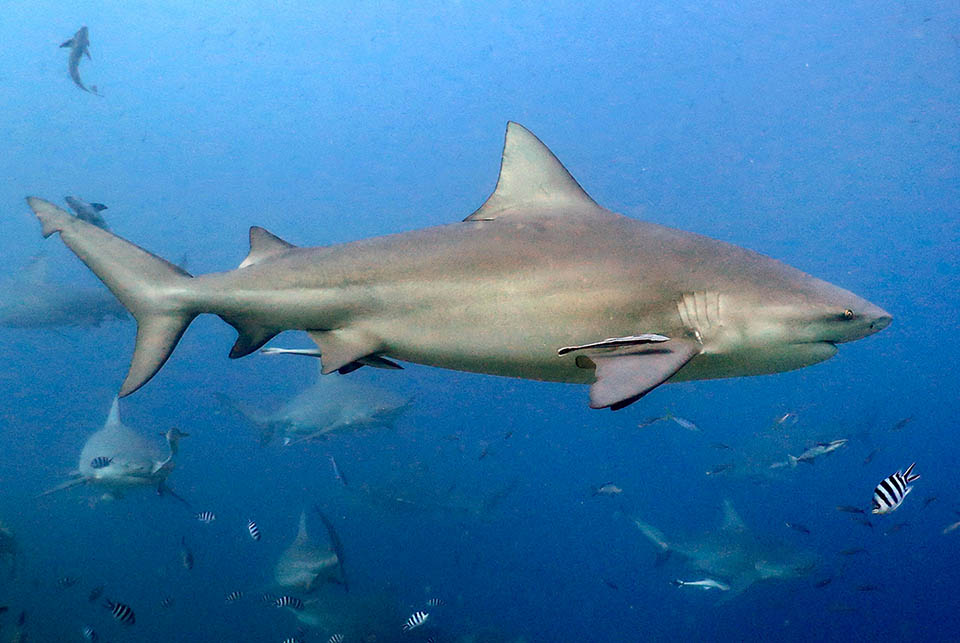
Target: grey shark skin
(79,47)
(134,461)
(304,565)
(332,404)
(89,212)
(538,268)
(734,555)
(29,300)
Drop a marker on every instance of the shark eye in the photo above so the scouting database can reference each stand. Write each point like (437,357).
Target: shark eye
(848,314)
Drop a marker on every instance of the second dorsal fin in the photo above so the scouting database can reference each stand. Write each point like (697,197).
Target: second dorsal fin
(263,245)
(530,176)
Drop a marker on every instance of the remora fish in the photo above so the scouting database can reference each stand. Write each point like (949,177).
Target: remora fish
(706,583)
(28,299)
(814,452)
(548,286)
(79,47)
(89,212)
(134,460)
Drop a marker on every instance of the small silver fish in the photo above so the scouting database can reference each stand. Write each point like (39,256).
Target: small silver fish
(607,489)
(685,423)
(785,420)
(949,528)
(720,468)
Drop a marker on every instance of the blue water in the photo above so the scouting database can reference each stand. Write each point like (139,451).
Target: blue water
(825,135)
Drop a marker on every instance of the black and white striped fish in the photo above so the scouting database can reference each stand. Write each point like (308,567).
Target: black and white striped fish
(253,530)
(292,639)
(89,634)
(205,516)
(436,602)
(121,612)
(233,597)
(166,602)
(892,490)
(100,462)
(416,620)
(336,638)
(289,601)
(66,581)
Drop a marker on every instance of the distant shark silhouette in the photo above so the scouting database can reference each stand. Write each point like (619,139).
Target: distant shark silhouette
(540,283)
(304,565)
(733,554)
(330,405)
(79,47)
(28,299)
(117,458)
(89,212)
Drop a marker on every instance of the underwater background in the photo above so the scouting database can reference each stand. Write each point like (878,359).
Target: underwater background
(822,134)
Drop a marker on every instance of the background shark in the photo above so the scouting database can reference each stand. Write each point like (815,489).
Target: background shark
(540,283)
(133,461)
(304,565)
(79,47)
(733,554)
(336,403)
(89,212)
(29,300)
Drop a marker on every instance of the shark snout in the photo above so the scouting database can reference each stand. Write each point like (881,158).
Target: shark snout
(877,318)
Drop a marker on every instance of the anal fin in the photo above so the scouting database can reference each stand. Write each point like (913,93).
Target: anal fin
(623,378)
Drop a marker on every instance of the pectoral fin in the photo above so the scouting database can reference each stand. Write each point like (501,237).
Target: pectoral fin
(623,378)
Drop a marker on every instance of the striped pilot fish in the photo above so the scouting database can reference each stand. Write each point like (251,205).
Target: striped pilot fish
(89,634)
(289,601)
(416,620)
(100,462)
(336,638)
(205,516)
(253,530)
(121,612)
(233,597)
(891,491)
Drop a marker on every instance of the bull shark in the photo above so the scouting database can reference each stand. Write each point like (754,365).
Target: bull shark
(89,212)
(331,404)
(304,565)
(540,283)
(117,458)
(734,555)
(29,299)
(79,47)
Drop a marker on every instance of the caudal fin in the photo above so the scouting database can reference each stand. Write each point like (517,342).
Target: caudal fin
(145,284)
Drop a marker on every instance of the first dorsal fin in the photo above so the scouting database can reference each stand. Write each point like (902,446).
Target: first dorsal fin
(263,244)
(531,177)
(113,418)
(302,535)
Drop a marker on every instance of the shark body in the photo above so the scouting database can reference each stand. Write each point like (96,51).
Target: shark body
(28,299)
(539,283)
(733,555)
(79,47)
(117,458)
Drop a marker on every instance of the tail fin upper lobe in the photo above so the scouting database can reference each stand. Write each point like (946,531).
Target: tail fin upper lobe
(149,287)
